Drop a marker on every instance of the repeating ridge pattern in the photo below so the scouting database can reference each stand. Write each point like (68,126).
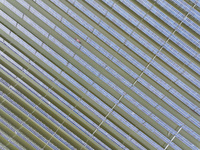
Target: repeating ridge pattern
(131,83)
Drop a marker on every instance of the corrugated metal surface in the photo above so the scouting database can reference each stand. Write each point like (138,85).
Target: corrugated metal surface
(132,83)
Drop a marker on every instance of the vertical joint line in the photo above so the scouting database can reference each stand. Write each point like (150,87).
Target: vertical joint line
(18,130)
(140,22)
(162,46)
(104,119)
(53,135)
(173,138)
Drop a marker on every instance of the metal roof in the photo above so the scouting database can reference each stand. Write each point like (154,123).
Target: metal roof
(100,74)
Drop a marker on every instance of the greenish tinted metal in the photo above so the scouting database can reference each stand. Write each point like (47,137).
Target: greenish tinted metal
(39,102)
(29,80)
(73,48)
(26,118)
(15,137)
(68,71)
(4,142)
(24,77)
(138,126)
(108,128)
(23,130)
(143,89)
